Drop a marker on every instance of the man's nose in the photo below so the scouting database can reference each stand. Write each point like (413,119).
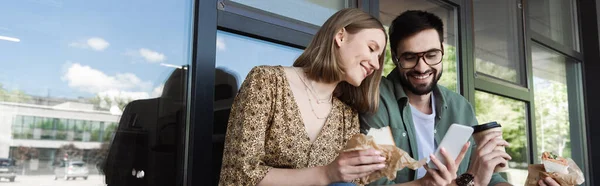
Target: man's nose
(421,65)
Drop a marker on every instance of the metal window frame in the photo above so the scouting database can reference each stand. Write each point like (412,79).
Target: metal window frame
(520,92)
(521,35)
(210,16)
(561,48)
(574,71)
(199,118)
(576,98)
(589,27)
(271,18)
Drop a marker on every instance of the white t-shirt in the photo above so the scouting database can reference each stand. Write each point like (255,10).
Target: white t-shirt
(424,132)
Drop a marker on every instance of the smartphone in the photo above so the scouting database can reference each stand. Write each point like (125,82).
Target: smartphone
(453,142)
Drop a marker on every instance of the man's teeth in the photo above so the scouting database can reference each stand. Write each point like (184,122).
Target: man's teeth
(422,76)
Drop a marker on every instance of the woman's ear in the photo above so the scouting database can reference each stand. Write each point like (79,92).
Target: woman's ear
(340,36)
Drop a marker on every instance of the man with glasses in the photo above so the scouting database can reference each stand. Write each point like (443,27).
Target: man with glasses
(419,111)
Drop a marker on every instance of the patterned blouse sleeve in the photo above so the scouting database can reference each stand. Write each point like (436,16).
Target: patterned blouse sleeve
(244,142)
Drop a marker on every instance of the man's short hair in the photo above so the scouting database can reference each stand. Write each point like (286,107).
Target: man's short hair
(412,22)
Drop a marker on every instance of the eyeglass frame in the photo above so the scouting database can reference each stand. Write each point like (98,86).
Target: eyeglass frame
(419,56)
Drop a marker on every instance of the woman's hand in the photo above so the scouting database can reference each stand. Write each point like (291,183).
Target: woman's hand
(349,166)
(548,181)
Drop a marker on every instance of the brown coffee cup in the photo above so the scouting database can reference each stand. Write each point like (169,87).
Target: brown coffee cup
(480,131)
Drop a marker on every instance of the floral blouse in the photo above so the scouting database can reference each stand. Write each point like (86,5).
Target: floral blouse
(265,130)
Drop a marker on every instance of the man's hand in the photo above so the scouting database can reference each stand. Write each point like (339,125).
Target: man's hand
(548,181)
(486,159)
(446,174)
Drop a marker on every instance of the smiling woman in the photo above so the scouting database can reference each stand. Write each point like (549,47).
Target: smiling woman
(314,104)
(93,90)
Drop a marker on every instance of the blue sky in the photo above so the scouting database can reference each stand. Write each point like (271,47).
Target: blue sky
(86,48)
(239,54)
(72,48)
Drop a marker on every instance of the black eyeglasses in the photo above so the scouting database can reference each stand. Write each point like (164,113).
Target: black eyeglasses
(409,60)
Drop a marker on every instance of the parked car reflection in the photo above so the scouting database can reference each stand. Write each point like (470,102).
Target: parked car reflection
(71,170)
(7,169)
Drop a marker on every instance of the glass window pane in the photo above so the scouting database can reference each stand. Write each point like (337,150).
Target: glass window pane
(17,127)
(555,19)
(95,130)
(47,125)
(237,56)
(28,127)
(512,115)
(390,9)
(249,53)
(61,129)
(551,102)
(79,125)
(67,67)
(314,12)
(497,40)
(109,131)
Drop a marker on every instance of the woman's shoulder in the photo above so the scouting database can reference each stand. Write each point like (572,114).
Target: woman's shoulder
(267,69)
(346,109)
(266,76)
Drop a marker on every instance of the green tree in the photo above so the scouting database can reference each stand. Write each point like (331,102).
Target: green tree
(109,131)
(495,70)
(450,77)
(105,102)
(68,152)
(98,156)
(552,117)
(16,96)
(511,115)
(23,154)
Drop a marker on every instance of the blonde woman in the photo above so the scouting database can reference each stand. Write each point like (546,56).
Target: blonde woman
(288,123)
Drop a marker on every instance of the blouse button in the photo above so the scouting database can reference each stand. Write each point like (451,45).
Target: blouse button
(404,134)
(434,131)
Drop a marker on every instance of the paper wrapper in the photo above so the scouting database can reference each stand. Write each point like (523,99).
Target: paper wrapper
(537,172)
(395,158)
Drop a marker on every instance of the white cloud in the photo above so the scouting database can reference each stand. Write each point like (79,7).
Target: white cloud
(87,79)
(94,43)
(221,44)
(151,56)
(157,92)
(116,95)
(97,43)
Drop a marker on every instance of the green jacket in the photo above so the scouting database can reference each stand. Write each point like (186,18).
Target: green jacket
(395,112)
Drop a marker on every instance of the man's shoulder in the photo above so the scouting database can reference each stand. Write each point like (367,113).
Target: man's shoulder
(451,97)
(386,105)
(386,87)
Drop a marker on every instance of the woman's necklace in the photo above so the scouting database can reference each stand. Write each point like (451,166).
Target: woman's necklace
(313,92)
(312,107)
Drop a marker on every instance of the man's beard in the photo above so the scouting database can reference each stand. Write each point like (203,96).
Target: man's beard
(419,89)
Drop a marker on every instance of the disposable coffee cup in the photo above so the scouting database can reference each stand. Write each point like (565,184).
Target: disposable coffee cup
(480,131)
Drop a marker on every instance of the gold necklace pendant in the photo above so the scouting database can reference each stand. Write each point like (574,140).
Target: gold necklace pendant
(312,108)
(312,91)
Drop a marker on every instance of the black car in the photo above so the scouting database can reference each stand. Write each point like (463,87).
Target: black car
(7,169)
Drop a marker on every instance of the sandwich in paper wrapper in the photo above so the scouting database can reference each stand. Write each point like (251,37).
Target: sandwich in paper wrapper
(562,170)
(396,158)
